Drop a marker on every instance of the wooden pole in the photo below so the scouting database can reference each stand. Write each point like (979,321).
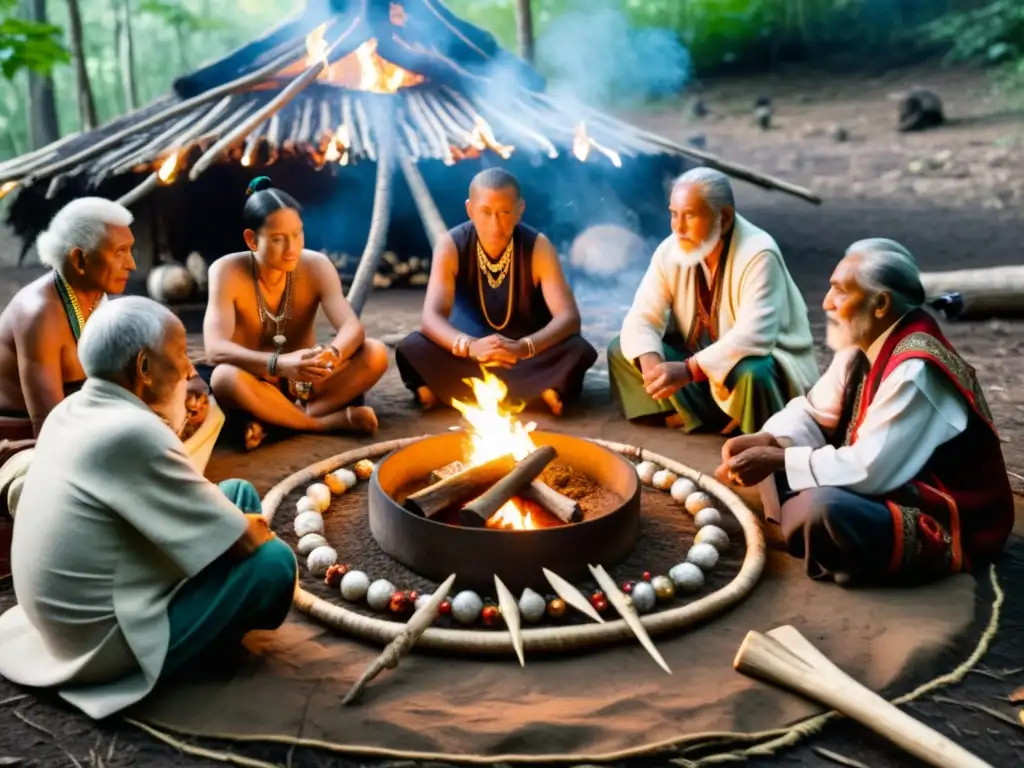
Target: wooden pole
(460,487)
(425,205)
(784,657)
(995,291)
(479,511)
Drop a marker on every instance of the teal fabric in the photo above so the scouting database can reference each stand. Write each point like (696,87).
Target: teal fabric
(756,380)
(213,611)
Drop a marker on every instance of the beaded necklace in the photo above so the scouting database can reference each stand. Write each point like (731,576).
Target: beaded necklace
(279,319)
(76,317)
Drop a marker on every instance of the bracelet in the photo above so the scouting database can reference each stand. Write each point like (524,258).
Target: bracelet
(272,363)
(461,346)
(531,350)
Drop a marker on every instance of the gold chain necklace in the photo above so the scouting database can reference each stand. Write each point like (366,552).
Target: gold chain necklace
(496,271)
(75,306)
(511,298)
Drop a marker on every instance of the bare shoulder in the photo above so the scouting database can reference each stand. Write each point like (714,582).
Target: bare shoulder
(316,261)
(230,268)
(35,312)
(546,257)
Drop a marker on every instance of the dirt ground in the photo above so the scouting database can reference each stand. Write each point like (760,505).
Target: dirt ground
(954,196)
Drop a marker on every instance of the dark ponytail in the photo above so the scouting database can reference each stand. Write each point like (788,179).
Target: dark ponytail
(262,200)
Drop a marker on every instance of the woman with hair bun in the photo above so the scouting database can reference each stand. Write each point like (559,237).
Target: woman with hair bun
(259,329)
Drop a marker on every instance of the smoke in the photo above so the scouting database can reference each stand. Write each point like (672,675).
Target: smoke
(598,57)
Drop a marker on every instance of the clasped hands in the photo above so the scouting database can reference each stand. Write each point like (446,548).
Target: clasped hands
(497,351)
(749,459)
(663,379)
(314,364)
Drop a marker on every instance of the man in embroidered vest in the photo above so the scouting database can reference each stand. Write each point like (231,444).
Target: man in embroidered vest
(129,566)
(890,468)
(497,298)
(717,338)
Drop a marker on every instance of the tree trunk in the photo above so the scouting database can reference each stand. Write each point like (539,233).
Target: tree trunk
(43,122)
(86,102)
(126,54)
(524,29)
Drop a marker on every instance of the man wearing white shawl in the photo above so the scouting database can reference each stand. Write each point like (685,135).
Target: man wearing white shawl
(718,336)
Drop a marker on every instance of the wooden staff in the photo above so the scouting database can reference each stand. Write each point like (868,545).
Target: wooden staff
(479,511)
(459,487)
(425,205)
(786,658)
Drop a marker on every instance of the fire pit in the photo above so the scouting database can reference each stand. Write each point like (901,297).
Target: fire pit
(522,537)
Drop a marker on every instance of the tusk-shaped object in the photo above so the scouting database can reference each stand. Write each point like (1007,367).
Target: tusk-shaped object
(510,612)
(571,595)
(618,601)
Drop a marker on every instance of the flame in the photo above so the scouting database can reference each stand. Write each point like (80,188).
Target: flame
(316,47)
(494,432)
(337,147)
(6,187)
(581,144)
(168,169)
(483,138)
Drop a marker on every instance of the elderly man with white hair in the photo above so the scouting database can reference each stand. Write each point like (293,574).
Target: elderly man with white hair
(717,338)
(890,468)
(129,566)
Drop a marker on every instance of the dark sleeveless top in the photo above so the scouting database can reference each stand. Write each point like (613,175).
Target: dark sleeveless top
(529,309)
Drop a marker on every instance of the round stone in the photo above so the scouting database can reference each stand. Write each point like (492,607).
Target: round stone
(334,485)
(363,469)
(531,606)
(646,470)
(644,597)
(308,522)
(354,585)
(682,488)
(306,504)
(707,516)
(697,501)
(687,577)
(378,594)
(347,477)
(704,556)
(320,494)
(422,600)
(466,607)
(320,559)
(309,542)
(663,479)
(713,535)
(664,589)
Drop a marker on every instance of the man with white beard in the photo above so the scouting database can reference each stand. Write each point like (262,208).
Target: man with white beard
(890,468)
(717,338)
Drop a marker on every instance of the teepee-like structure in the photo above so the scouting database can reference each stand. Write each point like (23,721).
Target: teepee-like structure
(345,82)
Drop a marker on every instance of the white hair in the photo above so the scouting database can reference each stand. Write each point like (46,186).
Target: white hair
(715,187)
(887,266)
(82,223)
(118,330)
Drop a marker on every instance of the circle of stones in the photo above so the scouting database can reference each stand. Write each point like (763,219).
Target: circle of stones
(654,471)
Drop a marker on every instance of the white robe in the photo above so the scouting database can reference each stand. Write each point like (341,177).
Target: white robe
(761,312)
(915,410)
(114,519)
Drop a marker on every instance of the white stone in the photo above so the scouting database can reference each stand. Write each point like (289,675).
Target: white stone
(308,522)
(466,607)
(697,501)
(713,535)
(306,504)
(378,594)
(531,606)
(320,494)
(422,600)
(687,577)
(309,542)
(168,283)
(320,559)
(704,556)
(682,488)
(663,479)
(707,516)
(354,585)
(646,470)
(347,477)
(644,596)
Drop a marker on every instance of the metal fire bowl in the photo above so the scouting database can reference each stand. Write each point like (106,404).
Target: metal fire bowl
(435,550)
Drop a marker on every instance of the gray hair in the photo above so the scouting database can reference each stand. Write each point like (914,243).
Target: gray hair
(118,331)
(888,266)
(82,223)
(715,186)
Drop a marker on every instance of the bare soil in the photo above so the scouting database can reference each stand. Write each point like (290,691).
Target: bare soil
(953,196)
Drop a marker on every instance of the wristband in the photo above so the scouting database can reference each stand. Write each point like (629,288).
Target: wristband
(272,363)
(531,350)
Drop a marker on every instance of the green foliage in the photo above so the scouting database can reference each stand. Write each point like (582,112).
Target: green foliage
(181,18)
(25,45)
(993,34)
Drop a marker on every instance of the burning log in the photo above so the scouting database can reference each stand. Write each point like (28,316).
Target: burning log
(460,487)
(565,509)
(478,511)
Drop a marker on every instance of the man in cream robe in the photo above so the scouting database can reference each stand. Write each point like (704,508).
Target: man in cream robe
(717,336)
(128,565)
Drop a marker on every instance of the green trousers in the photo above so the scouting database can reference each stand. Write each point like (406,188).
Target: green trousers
(213,611)
(760,389)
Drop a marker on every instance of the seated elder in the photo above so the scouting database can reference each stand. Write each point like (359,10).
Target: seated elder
(259,330)
(717,338)
(174,569)
(890,467)
(497,298)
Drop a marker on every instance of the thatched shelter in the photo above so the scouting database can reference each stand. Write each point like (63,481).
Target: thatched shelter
(335,104)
